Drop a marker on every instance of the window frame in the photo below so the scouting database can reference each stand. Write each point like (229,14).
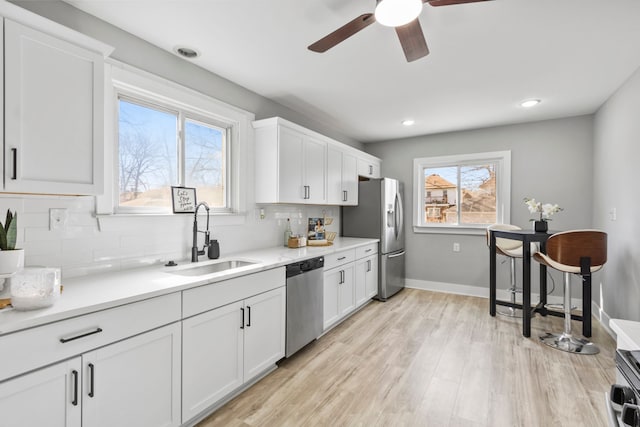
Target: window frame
(502,159)
(141,86)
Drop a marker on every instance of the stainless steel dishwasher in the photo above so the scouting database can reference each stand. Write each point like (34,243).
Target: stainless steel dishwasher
(304,303)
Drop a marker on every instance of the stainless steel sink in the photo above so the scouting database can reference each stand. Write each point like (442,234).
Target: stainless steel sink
(201,270)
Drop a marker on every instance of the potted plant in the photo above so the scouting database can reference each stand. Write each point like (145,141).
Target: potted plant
(544,210)
(11,259)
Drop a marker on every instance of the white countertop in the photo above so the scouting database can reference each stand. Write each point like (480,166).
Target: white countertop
(87,294)
(628,330)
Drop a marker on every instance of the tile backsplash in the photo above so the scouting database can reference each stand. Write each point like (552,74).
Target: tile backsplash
(83,243)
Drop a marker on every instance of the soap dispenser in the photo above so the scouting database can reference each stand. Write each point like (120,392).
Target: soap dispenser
(213,251)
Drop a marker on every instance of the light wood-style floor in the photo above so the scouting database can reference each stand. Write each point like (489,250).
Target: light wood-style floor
(430,359)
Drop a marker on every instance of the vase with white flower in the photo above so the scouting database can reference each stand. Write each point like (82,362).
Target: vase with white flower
(544,210)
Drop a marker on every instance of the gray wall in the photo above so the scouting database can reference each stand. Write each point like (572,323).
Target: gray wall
(134,51)
(616,154)
(550,160)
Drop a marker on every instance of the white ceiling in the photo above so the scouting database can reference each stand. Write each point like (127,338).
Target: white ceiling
(485,58)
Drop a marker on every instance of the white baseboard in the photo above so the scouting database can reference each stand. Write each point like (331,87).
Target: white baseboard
(503,294)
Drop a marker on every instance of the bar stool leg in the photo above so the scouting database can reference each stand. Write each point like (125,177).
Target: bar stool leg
(565,341)
(510,311)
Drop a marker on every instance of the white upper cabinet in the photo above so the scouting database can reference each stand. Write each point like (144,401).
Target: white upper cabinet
(369,167)
(297,165)
(290,166)
(342,177)
(53,113)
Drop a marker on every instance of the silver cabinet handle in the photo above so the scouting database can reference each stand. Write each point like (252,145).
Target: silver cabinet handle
(344,195)
(368,265)
(242,320)
(370,169)
(341,277)
(341,258)
(368,250)
(86,334)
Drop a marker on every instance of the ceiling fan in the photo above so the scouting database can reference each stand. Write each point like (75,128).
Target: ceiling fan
(400,14)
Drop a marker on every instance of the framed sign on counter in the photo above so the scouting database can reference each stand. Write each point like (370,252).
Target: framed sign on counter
(184,199)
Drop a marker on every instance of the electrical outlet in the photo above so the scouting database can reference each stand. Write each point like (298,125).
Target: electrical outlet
(456,247)
(57,218)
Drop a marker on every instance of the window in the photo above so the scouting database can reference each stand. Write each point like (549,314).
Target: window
(165,134)
(159,147)
(462,193)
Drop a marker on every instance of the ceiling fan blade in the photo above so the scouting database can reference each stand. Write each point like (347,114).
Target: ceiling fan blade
(412,40)
(343,33)
(449,2)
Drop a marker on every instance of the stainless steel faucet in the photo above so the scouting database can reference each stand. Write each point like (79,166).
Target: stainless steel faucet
(194,249)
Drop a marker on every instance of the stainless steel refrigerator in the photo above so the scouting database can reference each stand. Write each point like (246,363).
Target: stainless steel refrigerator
(379,215)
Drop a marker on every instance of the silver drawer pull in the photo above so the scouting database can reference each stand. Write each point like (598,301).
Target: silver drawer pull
(369,250)
(96,331)
(341,258)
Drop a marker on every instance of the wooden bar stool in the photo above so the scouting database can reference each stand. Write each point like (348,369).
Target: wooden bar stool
(512,249)
(580,252)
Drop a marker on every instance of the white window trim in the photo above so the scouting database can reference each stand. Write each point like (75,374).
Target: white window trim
(503,190)
(120,77)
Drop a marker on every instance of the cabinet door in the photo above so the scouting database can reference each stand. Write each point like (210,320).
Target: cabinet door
(361,282)
(212,360)
(342,178)
(371,274)
(46,397)
(332,280)
(369,168)
(290,157)
(346,291)
(334,176)
(264,332)
(53,114)
(135,382)
(349,179)
(315,166)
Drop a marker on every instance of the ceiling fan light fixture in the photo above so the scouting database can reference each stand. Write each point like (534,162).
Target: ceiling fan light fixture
(395,13)
(408,122)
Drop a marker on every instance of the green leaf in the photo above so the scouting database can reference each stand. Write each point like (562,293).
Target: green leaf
(3,238)
(8,220)
(12,232)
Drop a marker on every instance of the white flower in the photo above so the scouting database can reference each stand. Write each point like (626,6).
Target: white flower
(544,210)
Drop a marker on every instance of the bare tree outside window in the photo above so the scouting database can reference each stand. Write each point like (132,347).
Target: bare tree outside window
(205,147)
(151,153)
(460,194)
(147,155)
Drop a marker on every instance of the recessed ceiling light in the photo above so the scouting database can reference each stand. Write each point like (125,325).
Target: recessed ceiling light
(408,122)
(528,103)
(186,52)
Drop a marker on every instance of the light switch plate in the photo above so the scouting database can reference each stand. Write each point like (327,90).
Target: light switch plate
(57,219)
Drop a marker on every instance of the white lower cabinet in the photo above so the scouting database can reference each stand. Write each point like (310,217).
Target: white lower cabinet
(366,279)
(350,281)
(47,397)
(339,294)
(229,346)
(134,382)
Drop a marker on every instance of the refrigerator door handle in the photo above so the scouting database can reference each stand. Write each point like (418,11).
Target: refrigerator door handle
(397,255)
(399,215)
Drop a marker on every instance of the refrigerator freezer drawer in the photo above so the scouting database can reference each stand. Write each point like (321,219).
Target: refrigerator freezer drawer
(391,274)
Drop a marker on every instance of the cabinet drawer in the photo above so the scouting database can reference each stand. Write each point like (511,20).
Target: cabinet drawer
(339,258)
(364,251)
(214,295)
(33,348)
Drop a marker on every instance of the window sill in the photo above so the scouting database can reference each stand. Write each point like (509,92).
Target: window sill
(121,221)
(473,230)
